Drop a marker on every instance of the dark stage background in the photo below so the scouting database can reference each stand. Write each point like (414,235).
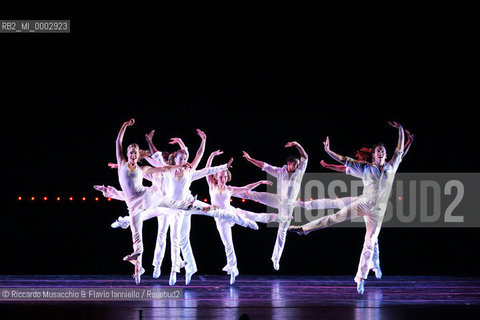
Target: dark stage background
(253,78)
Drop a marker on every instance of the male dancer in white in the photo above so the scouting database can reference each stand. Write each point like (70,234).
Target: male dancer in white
(138,197)
(362,155)
(377,178)
(289,178)
(220,195)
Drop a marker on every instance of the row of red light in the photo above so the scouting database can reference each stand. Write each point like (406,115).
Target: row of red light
(20,198)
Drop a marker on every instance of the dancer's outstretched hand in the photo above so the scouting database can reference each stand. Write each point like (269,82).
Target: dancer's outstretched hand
(176,141)
(217,153)
(229,163)
(410,135)
(113,165)
(149,136)
(246,155)
(201,134)
(326,144)
(394,124)
(323,163)
(267,182)
(291,144)
(130,122)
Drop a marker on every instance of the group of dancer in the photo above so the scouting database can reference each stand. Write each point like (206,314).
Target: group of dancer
(170,200)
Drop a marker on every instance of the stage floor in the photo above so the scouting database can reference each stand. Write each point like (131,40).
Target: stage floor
(256,297)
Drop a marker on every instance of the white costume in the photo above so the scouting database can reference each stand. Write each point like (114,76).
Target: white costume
(178,188)
(371,205)
(288,188)
(140,200)
(222,198)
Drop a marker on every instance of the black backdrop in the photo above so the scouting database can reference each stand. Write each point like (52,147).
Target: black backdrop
(252,78)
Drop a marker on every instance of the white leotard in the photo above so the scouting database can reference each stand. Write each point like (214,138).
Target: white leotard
(221,198)
(130,181)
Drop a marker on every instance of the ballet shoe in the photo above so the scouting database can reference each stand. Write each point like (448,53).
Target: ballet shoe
(233,275)
(156,272)
(173,278)
(137,276)
(378,273)
(298,229)
(132,257)
(276,265)
(360,285)
(188,278)
(245,222)
(232,278)
(121,223)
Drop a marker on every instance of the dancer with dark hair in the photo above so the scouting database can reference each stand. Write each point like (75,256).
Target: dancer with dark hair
(289,178)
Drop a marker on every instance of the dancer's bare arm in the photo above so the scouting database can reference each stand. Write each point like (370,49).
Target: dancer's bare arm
(250,186)
(410,138)
(210,179)
(334,167)
(149,138)
(332,154)
(154,170)
(401,135)
(255,162)
(201,149)
(300,149)
(118,142)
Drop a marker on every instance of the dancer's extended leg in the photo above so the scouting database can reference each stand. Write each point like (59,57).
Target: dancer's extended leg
(320,204)
(355,209)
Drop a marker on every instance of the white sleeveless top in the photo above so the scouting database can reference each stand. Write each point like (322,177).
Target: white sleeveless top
(221,198)
(178,189)
(130,181)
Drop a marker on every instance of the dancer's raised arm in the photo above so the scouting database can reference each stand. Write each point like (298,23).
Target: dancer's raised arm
(300,149)
(332,154)
(210,179)
(151,146)
(118,142)
(399,151)
(257,163)
(401,135)
(410,138)
(201,149)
